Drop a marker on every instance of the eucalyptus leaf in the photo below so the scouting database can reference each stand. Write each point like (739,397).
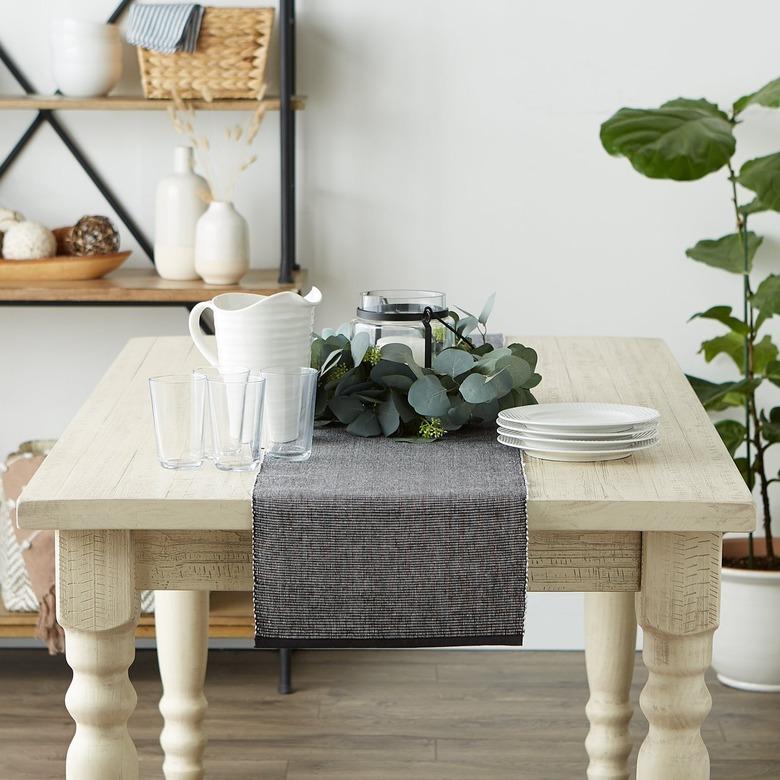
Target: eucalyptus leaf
(401,353)
(501,381)
(452,362)
(732,433)
(366,425)
(457,415)
(762,176)
(526,353)
(723,315)
(346,408)
(345,330)
(533,381)
(466,325)
(387,368)
(682,140)
(405,411)
(331,361)
(360,344)
(428,397)
(727,252)
(389,419)
(768,95)
(487,309)
(485,412)
(476,389)
(518,368)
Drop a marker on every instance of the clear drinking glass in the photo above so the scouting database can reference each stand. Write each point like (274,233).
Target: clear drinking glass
(236,412)
(232,372)
(289,416)
(177,408)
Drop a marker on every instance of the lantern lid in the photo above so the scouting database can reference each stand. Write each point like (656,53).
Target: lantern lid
(402,305)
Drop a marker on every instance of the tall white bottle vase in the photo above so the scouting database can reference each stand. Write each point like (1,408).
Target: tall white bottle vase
(221,245)
(181,201)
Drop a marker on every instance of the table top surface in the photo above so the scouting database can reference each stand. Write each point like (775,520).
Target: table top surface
(103,472)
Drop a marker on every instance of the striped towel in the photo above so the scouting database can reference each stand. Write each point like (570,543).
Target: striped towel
(166,27)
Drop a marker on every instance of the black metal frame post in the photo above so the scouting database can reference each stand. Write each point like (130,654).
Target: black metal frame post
(288,262)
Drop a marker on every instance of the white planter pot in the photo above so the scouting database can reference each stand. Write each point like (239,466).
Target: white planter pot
(221,245)
(746,651)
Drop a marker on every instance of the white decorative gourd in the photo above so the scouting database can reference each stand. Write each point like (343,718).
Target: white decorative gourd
(28,241)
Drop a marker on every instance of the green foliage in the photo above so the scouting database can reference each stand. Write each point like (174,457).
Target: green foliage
(685,140)
(727,253)
(384,392)
(682,140)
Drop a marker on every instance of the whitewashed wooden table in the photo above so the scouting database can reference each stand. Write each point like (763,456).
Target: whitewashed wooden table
(643,532)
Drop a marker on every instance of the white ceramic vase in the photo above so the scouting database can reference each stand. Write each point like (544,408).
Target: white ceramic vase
(221,245)
(746,650)
(180,203)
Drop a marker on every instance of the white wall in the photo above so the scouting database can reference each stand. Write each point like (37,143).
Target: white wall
(446,144)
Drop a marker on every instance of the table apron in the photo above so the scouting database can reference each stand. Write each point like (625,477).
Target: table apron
(222,560)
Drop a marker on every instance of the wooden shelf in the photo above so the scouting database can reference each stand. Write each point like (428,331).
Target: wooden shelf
(230,617)
(141,286)
(130,103)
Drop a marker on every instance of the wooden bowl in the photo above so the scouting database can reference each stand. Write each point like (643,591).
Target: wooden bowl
(62,268)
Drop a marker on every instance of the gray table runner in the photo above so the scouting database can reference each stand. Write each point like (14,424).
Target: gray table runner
(376,543)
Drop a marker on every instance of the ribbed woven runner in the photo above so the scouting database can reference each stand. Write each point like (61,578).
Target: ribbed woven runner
(376,543)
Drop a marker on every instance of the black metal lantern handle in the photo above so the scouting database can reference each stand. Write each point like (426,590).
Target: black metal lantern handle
(428,315)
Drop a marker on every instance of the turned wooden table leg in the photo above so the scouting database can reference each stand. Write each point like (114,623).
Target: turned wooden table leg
(97,606)
(610,642)
(182,630)
(678,610)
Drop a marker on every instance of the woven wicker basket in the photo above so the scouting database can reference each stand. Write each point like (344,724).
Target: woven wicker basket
(229,63)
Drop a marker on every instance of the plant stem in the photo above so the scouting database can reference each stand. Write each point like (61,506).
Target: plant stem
(752,422)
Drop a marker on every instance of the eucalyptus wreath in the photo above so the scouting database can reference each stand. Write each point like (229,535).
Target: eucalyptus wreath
(384,392)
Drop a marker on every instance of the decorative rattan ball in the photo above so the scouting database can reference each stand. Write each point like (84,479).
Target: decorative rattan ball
(93,235)
(28,241)
(8,218)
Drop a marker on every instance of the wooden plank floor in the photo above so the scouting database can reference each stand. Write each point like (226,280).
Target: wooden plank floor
(359,715)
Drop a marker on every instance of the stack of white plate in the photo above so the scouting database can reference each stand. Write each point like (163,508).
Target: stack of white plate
(579,431)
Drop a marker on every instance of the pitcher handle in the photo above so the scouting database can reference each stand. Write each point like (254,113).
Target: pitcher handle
(198,336)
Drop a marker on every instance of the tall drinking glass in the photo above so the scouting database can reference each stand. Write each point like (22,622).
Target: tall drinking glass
(230,372)
(289,417)
(236,412)
(177,408)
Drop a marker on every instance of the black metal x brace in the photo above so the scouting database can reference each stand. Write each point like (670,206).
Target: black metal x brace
(46,115)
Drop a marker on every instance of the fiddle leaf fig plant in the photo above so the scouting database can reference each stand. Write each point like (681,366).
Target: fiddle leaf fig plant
(684,140)
(384,392)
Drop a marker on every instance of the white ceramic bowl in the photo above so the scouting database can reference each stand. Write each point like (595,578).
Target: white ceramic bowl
(84,28)
(79,79)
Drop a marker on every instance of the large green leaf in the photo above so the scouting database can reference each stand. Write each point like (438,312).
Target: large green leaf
(346,408)
(762,176)
(754,207)
(767,297)
(682,140)
(732,344)
(457,415)
(717,397)
(727,252)
(770,426)
(428,396)
(526,353)
(764,354)
(518,368)
(772,372)
(768,95)
(733,434)
(722,314)
(502,382)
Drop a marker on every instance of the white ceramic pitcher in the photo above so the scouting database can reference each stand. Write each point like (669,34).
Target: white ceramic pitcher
(258,332)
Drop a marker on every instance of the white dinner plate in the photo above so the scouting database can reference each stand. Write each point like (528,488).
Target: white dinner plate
(582,417)
(555,434)
(541,442)
(579,456)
